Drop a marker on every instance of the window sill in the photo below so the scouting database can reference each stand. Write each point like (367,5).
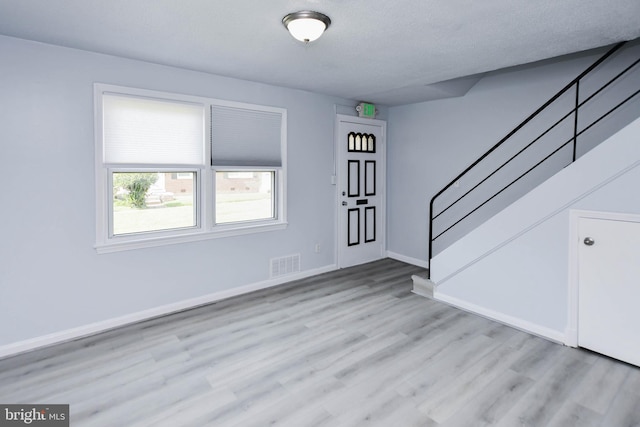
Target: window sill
(126,245)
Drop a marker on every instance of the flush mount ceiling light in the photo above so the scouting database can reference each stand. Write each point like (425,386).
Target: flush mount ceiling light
(306,25)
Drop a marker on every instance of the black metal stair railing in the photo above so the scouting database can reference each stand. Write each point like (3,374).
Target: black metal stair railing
(578,105)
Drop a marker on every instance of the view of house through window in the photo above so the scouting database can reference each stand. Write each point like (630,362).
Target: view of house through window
(182,168)
(244,196)
(153,201)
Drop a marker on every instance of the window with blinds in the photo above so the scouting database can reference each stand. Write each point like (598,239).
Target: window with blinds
(148,131)
(246,137)
(161,157)
(246,156)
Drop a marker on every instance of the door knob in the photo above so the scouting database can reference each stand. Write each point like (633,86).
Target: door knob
(589,241)
(344,203)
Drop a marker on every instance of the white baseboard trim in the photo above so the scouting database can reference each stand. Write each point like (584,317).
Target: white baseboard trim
(409,260)
(102,326)
(523,325)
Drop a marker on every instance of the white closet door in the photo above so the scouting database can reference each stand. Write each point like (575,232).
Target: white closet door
(609,288)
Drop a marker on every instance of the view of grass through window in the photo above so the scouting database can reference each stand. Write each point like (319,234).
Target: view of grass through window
(153,201)
(156,201)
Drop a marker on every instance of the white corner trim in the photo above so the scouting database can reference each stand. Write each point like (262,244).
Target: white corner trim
(409,260)
(571,339)
(611,216)
(523,325)
(572,285)
(102,326)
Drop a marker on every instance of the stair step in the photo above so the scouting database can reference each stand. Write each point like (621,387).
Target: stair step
(423,286)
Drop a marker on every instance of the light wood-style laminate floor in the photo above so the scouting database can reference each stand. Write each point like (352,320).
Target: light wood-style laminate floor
(352,347)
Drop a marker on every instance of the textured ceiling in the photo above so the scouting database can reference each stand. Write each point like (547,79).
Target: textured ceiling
(388,52)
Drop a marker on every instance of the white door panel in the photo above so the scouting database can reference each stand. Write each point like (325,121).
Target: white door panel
(360,160)
(609,288)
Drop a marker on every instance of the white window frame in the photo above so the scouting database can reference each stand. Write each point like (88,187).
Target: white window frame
(205,227)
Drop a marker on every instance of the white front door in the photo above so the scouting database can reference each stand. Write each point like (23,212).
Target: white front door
(609,288)
(360,148)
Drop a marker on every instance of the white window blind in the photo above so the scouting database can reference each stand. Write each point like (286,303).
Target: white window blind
(245,137)
(150,131)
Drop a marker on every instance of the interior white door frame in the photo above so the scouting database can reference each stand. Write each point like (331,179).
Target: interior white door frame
(571,333)
(339,157)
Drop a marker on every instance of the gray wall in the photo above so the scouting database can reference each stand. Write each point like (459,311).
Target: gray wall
(432,142)
(51,278)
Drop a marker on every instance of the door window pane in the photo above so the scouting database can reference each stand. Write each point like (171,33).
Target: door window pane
(363,143)
(153,201)
(244,196)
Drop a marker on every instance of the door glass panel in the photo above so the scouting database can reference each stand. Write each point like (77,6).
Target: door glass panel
(372,144)
(361,143)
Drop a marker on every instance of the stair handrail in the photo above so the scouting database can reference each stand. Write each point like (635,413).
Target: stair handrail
(575,82)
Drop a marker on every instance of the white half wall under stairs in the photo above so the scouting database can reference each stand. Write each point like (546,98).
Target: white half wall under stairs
(514,268)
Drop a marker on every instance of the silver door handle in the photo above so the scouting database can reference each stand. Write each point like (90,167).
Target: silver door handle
(589,241)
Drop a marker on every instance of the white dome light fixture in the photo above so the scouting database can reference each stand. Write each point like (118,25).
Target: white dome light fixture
(306,25)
